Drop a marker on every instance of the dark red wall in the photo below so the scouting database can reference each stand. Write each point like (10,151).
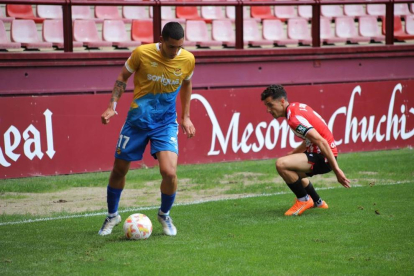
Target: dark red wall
(45,135)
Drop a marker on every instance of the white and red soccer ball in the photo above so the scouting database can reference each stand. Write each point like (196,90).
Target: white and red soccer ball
(137,227)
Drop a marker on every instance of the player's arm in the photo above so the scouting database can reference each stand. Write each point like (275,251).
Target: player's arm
(314,136)
(300,149)
(119,89)
(185,96)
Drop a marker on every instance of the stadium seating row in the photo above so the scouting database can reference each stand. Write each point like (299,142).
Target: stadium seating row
(206,13)
(271,32)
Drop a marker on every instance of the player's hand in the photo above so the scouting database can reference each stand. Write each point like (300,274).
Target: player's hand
(188,127)
(109,112)
(340,176)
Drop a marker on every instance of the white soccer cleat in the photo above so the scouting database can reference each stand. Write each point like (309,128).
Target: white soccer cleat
(167,225)
(109,224)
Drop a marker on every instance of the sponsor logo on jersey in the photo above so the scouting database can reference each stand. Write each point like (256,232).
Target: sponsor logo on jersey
(154,64)
(163,80)
(301,129)
(118,151)
(177,72)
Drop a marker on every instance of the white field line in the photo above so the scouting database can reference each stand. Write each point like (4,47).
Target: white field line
(182,204)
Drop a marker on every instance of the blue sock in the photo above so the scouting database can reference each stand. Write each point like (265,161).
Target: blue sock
(113,197)
(167,202)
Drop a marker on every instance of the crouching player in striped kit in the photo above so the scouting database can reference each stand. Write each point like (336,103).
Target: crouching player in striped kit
(162,70)
(316,155)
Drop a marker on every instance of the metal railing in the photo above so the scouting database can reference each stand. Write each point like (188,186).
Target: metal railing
(239,4)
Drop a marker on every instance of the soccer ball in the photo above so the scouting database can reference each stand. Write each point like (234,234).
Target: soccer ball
(137,227)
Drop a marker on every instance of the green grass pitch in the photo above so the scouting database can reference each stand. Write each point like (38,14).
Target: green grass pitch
(368,230)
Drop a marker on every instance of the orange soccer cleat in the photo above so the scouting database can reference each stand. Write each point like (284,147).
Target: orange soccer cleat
(299,207)
(323,205)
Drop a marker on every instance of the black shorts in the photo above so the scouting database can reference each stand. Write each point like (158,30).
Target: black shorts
(319,164)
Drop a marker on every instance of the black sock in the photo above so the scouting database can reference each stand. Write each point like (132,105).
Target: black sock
(297,188)
(313,194)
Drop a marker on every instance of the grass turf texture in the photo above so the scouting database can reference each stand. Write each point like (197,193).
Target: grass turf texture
(366,231)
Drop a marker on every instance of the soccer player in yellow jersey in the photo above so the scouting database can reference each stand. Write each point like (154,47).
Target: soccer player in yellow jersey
(162,70)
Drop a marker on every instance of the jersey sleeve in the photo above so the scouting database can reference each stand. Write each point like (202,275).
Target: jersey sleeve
(192,65)
(299,124)
(133,62)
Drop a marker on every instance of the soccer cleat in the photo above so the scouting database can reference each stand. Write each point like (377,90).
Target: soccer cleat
(167,225)
(109,224)
(299,207)
(322,206)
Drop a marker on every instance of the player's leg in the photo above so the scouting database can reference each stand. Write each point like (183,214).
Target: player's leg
(113,195)
(130,146)
(168,168)
(318,166)
(318,202)
(164,147)
(292,169)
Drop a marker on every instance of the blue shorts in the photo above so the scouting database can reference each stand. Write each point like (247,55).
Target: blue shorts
(132,141)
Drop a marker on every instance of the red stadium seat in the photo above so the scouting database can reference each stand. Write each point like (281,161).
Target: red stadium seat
(109,12)
(285,12)
(305,11)
(25,32)
(326,33)
(376,9)
(345,28)
(86,32)
(252,35)
(5,40)
(187,13)
(52,31)
(115,32)
(22,12)
(298,29)
(368,27)
(399,33)
(273,30)
(196,32)
(135,12)
(331,11)
(142,31)
(49,11)
(354,10)
(222,30)
(262,12)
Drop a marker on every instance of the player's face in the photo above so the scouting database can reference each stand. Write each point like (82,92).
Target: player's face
(275,107)
(170,47)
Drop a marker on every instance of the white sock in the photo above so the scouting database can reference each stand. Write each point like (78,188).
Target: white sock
(305,198)
(162,213)
(113,214)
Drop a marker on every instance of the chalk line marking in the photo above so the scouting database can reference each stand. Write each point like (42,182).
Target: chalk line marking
(180,204)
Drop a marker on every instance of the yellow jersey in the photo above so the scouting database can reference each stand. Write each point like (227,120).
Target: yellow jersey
(157,81)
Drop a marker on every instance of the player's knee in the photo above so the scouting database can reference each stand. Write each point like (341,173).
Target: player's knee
(280,165)
(119,172)
(168,174)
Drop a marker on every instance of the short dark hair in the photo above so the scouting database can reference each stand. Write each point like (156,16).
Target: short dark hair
(275,91)
(173,30)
